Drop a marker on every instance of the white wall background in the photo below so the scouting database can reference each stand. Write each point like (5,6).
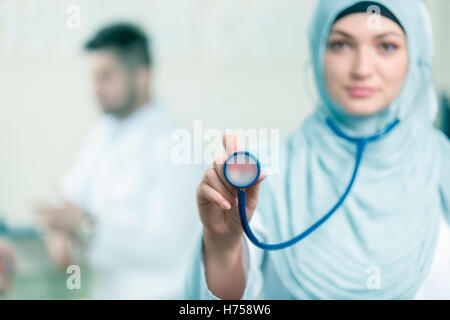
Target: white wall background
(229,63)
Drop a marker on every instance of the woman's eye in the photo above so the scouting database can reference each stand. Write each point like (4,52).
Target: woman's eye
(338,45)
(388,47)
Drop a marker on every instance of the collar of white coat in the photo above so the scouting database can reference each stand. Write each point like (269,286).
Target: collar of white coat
(151,111)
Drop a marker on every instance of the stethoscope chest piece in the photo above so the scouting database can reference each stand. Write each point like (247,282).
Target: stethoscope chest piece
(241,169)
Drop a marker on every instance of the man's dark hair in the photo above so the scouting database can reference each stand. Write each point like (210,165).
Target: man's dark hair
(128,41)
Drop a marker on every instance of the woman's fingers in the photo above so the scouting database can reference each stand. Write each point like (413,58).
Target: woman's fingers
(230,143)
(213,180)
(214,196)
(218,167)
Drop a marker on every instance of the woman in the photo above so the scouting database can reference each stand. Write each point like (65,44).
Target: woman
(380,243)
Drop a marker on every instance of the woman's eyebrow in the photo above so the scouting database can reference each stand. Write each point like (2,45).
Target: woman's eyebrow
(345,34)
(378,36)
(393,33)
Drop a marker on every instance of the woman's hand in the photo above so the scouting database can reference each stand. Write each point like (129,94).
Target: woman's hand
(217,202)
(222,231)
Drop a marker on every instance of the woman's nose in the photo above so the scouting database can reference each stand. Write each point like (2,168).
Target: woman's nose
(362,67)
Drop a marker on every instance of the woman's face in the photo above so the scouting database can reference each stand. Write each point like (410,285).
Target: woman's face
(365,68)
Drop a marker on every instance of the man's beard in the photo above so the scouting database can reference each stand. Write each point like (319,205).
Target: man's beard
(123,109)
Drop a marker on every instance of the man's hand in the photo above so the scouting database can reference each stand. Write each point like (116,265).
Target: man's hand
(60,249)
(7,266)
(60,225)
(66,218)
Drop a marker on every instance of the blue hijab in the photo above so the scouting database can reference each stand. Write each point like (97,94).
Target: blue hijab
(389,222)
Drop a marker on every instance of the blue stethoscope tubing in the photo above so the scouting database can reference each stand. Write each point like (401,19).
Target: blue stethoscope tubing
(360,142)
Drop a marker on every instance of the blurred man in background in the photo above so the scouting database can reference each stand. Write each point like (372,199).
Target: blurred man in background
(124,200)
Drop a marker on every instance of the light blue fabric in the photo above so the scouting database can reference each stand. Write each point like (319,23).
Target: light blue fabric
(390,220)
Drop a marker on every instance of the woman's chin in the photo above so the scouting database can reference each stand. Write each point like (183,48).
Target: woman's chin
(362,107)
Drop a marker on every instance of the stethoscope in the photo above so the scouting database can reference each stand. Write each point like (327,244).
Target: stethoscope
(242,170)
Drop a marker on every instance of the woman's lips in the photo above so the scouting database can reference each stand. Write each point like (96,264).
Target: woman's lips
(361,92)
